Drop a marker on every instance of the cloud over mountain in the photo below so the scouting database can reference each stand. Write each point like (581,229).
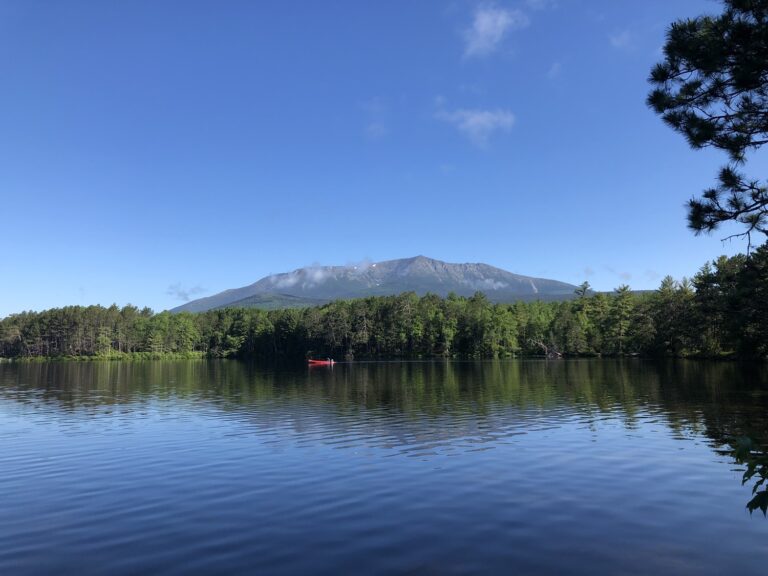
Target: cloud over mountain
(318,284)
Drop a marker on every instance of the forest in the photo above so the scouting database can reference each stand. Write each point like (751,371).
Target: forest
(721,312)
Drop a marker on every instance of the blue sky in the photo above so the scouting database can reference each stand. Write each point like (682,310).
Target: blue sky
(155,150)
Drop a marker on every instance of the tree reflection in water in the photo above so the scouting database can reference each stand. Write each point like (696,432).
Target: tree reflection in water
(422,402)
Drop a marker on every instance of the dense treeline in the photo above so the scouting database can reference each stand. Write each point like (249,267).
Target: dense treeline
(722,311)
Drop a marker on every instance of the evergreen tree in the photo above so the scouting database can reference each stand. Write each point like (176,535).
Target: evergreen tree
(751,304)
(712,86)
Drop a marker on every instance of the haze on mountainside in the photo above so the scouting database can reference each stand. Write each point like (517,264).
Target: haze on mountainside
(320,284)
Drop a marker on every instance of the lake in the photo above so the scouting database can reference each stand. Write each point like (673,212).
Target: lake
(524,467)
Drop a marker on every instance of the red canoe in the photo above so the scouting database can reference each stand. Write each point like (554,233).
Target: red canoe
(321,362)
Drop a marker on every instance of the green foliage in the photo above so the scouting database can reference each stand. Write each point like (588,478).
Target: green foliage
(712,87)
(748,452)
(724,311)
(716,321)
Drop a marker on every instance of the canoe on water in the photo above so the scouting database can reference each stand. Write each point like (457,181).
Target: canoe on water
(321,362)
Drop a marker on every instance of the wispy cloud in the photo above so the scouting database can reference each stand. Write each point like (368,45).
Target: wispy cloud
(478,125)
(377,112)
(185,294)
(624,276)
(652,275)
(303,277)
(376,130)
(489,27)
(554,70)
(621,40)
(375,105)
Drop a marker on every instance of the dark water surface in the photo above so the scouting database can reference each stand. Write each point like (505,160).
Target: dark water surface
(529,467)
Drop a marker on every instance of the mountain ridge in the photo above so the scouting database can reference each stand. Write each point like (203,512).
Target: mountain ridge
(420,274)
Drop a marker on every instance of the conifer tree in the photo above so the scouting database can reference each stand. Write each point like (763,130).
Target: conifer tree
(712,87)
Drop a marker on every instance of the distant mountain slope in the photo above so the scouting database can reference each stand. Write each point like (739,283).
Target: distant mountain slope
(275,302)
(318,284)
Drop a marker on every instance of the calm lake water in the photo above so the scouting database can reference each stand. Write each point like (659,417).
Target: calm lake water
(526,467)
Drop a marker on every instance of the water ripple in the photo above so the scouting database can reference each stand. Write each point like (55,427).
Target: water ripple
(595,467)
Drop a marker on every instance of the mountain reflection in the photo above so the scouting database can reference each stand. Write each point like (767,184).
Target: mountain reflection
(422,407)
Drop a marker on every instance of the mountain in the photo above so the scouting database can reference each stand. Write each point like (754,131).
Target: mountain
(276,302)
(318,284)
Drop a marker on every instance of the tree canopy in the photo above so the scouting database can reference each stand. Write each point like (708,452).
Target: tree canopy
(712,87)
(723,311)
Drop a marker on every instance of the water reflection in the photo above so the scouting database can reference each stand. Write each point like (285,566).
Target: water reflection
(417,408)
(681,388)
